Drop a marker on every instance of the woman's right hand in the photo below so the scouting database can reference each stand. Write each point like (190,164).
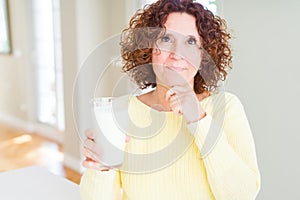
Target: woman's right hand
(92,152)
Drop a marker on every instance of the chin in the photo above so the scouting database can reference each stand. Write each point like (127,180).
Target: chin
(170,82)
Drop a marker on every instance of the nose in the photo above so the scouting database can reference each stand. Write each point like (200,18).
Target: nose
(176,52)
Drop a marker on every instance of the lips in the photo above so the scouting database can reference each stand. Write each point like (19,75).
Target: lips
(177,69)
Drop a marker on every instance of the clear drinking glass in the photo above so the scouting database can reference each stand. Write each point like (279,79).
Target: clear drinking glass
(109,136)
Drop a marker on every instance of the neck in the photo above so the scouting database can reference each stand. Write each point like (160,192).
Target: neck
(159,97)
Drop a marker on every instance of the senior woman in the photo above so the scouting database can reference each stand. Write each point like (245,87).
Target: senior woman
(175,59)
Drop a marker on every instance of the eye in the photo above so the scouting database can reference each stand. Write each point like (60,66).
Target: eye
(165,38)
(192,41)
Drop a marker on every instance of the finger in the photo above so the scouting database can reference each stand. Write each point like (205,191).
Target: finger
(94,165)
(176,91)
(176,110)
(92,147)
(175,98)
(169,93)
(90,155)
(181,88)
(176,107)
(90,133)
(89,144)
(175,101)
(87,153)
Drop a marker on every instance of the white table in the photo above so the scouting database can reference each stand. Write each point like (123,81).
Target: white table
(36,183)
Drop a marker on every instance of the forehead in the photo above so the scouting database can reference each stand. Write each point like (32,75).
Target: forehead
(182,23)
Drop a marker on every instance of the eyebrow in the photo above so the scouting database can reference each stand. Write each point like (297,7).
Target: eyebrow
(168,32)
(196,37)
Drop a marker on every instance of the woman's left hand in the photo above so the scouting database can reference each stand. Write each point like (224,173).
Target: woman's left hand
(183,101)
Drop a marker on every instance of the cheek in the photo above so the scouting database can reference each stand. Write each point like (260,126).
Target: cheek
(159,58)
(194,66)
(194,60)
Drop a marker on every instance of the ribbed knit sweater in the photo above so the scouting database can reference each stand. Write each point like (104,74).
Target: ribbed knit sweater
(213,158)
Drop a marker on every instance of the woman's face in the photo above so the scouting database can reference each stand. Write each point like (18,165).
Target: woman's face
(177,55)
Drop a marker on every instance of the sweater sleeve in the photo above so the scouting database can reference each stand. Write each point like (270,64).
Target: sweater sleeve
(95,185)
(230,163)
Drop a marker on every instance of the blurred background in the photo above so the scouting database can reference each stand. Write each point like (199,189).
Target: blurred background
(44,43)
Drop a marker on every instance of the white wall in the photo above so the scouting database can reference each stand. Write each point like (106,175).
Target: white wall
(265,76)
(15,67)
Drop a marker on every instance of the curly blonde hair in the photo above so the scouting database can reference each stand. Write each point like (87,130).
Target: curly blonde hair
(138,40)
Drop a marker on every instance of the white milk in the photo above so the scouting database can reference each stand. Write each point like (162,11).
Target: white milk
(111,139)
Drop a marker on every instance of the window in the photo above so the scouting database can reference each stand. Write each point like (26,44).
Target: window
(48,62)
(5,46)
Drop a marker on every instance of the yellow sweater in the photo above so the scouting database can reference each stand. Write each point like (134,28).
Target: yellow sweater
(213,158)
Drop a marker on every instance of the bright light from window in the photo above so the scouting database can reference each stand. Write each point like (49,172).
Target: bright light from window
(22,139)
(49,92)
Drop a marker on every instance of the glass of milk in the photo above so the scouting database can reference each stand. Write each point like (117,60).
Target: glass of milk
(109,136)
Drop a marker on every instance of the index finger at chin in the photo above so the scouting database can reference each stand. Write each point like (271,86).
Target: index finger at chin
(90,133)
(169,93)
